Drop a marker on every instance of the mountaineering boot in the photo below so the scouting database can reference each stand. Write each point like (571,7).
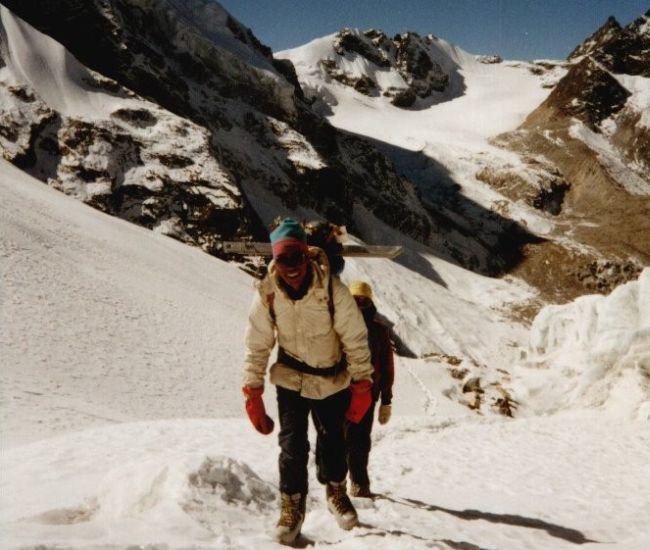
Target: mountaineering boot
(360,490)
(340,505)
(292,514)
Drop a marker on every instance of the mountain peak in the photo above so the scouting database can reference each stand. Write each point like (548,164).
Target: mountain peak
(606,32)
(408,69)
(620,50)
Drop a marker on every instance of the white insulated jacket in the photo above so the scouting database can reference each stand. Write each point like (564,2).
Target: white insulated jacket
(305,330)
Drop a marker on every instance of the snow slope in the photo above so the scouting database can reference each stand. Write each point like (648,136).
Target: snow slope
(103,321)
(114,338)
(61,81)
(544,483)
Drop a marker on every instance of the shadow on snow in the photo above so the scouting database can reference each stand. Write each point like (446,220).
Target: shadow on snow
(565,533)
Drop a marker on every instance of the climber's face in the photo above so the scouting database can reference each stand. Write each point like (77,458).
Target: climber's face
(292,266)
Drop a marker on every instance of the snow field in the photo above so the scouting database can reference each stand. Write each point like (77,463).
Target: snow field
(530,483)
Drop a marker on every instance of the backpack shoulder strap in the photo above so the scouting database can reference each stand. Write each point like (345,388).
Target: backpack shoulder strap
(330,298)
(269,302)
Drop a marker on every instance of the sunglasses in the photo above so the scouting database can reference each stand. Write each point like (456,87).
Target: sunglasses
(292,259)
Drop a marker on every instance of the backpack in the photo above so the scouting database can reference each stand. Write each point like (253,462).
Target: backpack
(328,237)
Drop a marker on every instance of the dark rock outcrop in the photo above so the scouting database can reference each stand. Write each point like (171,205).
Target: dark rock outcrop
(595,42)
(408,55)
(419,70)
(349,41)
(587,93)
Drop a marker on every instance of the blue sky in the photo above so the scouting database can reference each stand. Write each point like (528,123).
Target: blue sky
(514,29)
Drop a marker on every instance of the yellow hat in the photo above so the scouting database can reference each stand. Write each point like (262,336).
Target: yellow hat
(361,288)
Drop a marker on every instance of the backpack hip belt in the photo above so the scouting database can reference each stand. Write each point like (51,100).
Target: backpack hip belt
(297,364)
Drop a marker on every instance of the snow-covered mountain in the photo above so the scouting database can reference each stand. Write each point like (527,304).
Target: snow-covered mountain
(407,69)
(191,127)
(411,96)
(577,186)
(197,122)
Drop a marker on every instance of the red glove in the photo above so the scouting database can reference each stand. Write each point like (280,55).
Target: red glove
(360,402)
(256,412)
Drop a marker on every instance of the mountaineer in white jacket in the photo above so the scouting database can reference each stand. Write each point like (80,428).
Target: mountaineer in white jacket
(323,368)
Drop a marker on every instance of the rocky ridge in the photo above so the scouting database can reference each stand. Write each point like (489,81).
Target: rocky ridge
(620,49)
(216,130)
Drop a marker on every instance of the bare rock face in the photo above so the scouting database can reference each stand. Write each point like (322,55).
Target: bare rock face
(142,164)
(348,41)
(147,46)
(416,66)
(546,193)
(632,138)
(595,42)
(587,93)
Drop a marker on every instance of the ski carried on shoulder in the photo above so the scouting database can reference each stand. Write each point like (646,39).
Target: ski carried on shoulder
(247,248)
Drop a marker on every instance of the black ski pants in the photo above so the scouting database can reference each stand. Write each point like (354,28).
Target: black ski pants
(358,442)
(328,416)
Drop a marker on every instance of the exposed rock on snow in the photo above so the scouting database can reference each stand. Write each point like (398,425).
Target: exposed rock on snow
(117,152)
(595,42)
(407,69)
(231,481)
(545,191)
(586,92)
(489,59)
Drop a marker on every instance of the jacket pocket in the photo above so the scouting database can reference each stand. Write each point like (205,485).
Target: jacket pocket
(317,317)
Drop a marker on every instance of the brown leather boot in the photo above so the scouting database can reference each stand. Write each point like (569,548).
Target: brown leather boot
(292,514)
(360,490)
(340,505)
